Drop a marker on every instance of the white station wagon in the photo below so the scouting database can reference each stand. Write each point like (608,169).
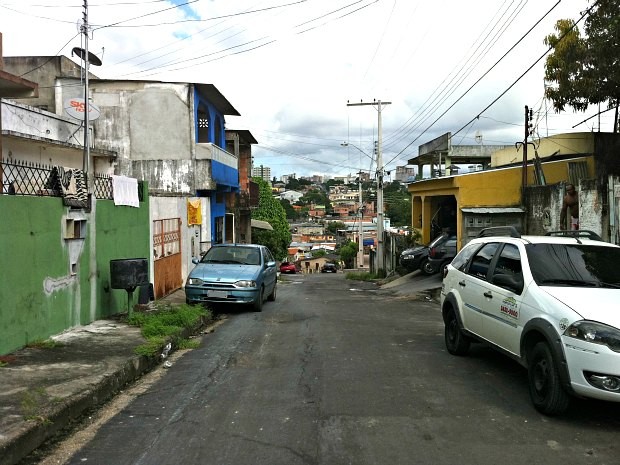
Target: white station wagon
(551,303)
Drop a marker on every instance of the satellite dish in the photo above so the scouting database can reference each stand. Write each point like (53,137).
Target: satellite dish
(92,58)
(74,107)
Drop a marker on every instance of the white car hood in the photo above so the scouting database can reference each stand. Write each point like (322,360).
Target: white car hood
(596,304)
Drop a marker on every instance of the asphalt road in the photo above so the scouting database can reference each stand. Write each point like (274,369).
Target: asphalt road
(339,372)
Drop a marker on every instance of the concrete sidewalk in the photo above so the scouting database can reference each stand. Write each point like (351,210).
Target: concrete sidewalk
(44,388)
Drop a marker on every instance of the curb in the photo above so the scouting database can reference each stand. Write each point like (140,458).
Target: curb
(34,434)
(57,417)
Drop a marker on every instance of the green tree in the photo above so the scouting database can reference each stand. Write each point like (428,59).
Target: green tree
(397,204)
(584,70)
(333,182)
(333,227)
(297,184)
(399,211)
(348,253)
(270,210)
(315,196)
(291,213)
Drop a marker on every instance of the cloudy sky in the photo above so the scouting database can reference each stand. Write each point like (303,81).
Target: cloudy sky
(291,66)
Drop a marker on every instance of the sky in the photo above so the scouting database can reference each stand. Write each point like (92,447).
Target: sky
(294,69)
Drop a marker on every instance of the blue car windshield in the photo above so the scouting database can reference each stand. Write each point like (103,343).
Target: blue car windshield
(574,265)
(232,256)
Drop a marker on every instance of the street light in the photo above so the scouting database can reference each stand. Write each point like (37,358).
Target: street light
(379,104)
(360,249)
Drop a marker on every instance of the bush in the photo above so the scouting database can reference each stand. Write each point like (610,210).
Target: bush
(166,324)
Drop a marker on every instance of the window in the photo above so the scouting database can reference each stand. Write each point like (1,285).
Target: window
(75,228)
(479,266)
(509,261)
(267,257)
(567,264)
(463,256)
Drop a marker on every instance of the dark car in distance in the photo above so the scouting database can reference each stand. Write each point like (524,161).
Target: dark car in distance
(329,268)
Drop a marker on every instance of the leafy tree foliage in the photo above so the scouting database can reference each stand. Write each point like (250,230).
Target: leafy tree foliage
(399,211)
(348,253)
(397,204)
(333,182)
(333,227)
(585,70)
(297,184)
(314,196)
(270,210)
(291,213)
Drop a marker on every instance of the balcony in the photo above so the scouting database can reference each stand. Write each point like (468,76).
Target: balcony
(224,165)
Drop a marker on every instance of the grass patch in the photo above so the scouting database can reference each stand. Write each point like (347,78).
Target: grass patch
(31,404)
(44,344)
(189,344)
(167,324)
(361,276)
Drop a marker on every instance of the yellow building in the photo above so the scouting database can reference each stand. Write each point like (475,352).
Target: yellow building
(469,202)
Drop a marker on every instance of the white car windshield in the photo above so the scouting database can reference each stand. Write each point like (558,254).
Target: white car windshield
(574,265)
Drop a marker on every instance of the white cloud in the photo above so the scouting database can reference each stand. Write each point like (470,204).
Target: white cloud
(290,67)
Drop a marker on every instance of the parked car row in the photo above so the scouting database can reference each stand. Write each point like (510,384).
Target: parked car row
(551,302)
(292,268)
(430,258)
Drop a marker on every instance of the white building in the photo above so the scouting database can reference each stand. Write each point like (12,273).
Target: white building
(263,172)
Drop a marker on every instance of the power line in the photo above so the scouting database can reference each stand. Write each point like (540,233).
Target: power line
(481,77)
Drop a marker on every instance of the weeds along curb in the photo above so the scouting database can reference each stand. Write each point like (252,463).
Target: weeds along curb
(59,415)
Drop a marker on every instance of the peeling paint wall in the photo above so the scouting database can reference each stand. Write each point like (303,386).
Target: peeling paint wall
(40,124)
(544,204)
(592,207)
(159,124)
(46,284)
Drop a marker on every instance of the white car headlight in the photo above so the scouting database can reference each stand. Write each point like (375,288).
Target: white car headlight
(245,283)
(597,333)
(194,281)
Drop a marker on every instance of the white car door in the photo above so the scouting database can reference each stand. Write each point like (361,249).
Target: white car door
(472,287)
(501,323)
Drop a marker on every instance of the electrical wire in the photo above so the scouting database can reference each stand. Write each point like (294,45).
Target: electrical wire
(454,86)
(479,79)
(414,121)
(52,57)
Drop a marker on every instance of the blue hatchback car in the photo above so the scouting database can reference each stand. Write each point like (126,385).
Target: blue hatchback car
(233,274)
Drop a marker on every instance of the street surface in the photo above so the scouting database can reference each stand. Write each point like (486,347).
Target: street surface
(340,372)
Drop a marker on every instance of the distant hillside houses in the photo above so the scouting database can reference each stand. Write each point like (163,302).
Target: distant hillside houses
(291,196)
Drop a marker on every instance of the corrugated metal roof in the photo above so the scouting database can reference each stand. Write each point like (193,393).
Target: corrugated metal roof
(492,210)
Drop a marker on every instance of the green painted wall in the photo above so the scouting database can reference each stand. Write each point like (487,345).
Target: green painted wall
(31,255)
(44,285)
(122,232)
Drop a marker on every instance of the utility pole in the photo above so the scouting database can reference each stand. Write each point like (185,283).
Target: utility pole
(360,245)
(528,132)
(360,250)
(380,247)
(86,161)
